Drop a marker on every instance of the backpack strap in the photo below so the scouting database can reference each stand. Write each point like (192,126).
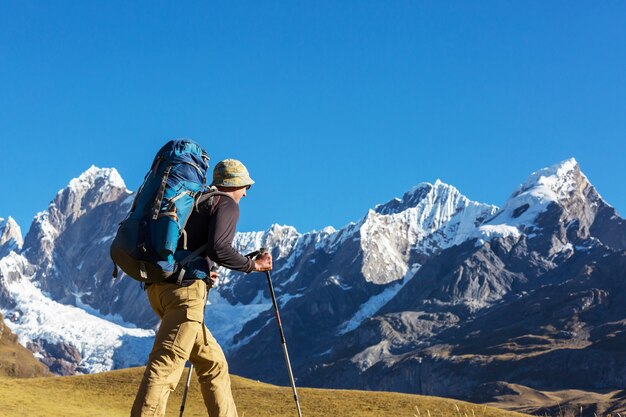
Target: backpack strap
(153,169)
(209,195)
(197,169)
(183,233)
(203,197)
(181,274)
(142,271)
(159,197)
(189,258)
(179,196)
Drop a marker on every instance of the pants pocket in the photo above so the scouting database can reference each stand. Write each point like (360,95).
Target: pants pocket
(196,299)
(177,344)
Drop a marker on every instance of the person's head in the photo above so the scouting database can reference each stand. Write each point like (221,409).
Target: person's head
(231,176)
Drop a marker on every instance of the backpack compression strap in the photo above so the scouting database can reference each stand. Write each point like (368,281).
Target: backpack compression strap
(191,257)
(156,207)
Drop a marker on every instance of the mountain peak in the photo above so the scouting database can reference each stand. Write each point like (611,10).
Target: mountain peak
(419,187)
(438,191)
(563,184)
(438,184)
(560,183)
(560,168)
(283,237)
(90,189)
(10,236)
(556,181)
(88,179)
(429,217)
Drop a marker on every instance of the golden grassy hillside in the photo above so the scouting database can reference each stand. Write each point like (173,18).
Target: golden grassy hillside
(15,359)
(111,394)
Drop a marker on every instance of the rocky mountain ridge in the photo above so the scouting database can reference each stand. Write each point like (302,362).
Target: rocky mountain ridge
(52,286)
(419,291)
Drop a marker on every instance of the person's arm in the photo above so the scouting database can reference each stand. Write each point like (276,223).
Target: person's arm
(221,232)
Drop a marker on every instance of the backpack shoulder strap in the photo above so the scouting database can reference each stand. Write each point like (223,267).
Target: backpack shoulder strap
(204,197)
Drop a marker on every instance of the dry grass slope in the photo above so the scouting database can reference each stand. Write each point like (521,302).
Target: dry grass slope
(564,403)
(15,359)
(111,394)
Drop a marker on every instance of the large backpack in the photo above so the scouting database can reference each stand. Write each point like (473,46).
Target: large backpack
(146,241)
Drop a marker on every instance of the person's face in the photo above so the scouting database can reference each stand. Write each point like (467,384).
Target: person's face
(239,193)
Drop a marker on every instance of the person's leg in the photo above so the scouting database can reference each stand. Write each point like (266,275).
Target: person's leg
(212,371)
(173,344)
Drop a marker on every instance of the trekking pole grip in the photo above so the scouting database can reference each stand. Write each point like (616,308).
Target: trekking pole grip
(256,253)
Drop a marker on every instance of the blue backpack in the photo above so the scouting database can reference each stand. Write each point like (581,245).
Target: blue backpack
(146,241)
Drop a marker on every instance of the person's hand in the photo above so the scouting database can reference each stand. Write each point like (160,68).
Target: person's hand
(213,275)
(263,262)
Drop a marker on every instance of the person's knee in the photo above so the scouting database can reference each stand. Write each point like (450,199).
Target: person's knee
(179,343)
(213,369)
(163,361)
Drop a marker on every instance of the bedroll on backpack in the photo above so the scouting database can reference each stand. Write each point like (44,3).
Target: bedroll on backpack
(146,242)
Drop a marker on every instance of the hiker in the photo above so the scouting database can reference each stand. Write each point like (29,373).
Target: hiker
(182,334)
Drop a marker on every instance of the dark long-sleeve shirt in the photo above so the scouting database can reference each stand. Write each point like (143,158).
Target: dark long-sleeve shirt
(215,224)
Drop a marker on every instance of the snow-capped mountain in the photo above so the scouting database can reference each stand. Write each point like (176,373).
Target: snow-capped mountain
(531,298)
(10,236)
(44,288)
(428,218)
(563,188)
(417,292)
(64,260)
(339,277)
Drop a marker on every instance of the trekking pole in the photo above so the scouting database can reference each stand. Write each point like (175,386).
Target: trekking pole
(280,330)
(182,405)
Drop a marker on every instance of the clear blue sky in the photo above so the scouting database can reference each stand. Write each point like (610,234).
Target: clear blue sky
(334,106)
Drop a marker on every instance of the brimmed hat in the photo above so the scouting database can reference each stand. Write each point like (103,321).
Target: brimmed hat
(231,173)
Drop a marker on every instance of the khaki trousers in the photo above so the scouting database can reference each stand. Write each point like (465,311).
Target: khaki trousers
(181,336)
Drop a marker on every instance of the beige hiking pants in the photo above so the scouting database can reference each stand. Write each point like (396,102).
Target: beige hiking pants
(181,336)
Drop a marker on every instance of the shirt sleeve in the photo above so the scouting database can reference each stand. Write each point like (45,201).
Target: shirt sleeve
(221,232)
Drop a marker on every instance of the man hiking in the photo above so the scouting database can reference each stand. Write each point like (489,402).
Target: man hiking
(182,334)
